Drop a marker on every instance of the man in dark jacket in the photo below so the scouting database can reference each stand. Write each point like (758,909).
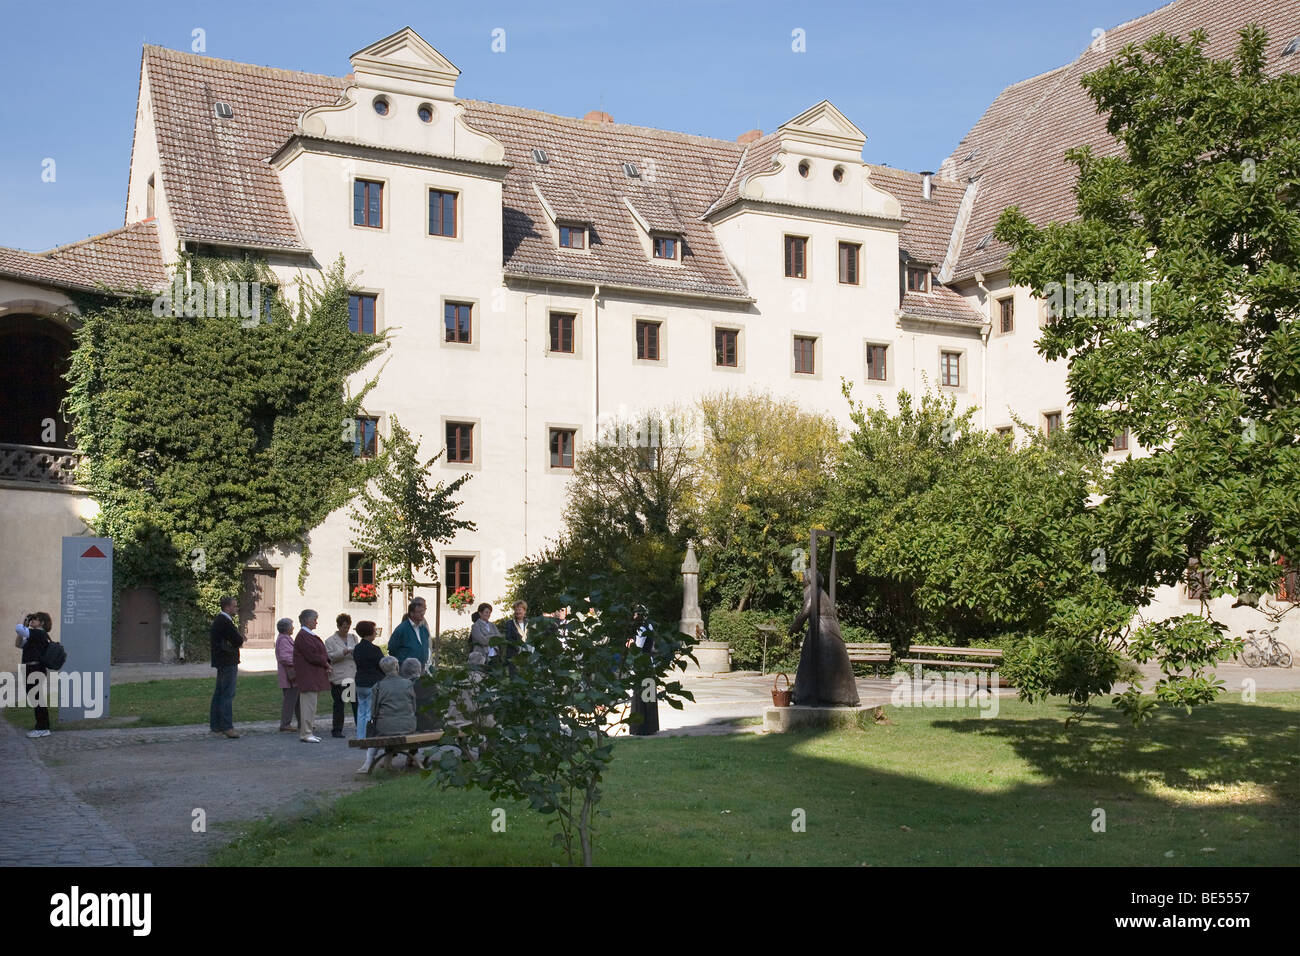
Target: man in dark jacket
(226,641)
(34,638)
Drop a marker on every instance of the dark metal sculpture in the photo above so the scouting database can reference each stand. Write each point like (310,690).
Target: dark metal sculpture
(825,675)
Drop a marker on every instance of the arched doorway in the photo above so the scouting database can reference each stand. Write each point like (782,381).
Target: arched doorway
(35,353)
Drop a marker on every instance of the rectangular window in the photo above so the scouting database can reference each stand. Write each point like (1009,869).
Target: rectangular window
(459,574)
(950,369)
(367,203)
(796,254)
(1121,441)
(442,213)
(1006,432)
(1052,422)
(365,437)
(849,252)
(647,340)
(665,247)
(647,458)
(458,316)
(361,313)
(918,280)
(1007,315)
(1288,586)
(1197,586)
(361,571)
(726,343)
(573,237)
(805,350)
(460,442)
(562,331)
(562,447)
(877,370)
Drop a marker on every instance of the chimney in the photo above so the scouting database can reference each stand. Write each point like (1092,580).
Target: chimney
(598,116)
(744,139)
(925,183)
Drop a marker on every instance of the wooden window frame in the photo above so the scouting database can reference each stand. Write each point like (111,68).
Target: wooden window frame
(884,377)
(655,244)
(357,562)
(1048,430)
(643,326)
(555,332)
(850,251)
(719,333)
(447,330)
(358,319)
(573,229)
(553,432)
(359,436)
(1006,315)
(924,275)
(805,348)
(944,368)
(792,242)
(441,233)
(365,204)
(447,436)
(453,578)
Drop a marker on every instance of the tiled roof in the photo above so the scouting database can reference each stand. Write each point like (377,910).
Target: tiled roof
(681,175)
(928,230)
(940,304)
(1019,143)
(757,157)
(218,184)
(127,260)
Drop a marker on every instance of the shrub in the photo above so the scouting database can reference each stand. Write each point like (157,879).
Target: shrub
(738,628)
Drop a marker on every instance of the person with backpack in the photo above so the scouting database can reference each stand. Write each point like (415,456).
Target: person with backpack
(41,655)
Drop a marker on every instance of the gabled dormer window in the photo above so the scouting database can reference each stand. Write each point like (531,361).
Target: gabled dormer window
(666,247)
(573,236)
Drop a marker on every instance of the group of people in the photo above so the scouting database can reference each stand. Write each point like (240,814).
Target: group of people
(382,689)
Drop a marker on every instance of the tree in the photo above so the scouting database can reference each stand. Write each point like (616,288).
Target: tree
(399,519)
(541,731)
(197,428)
(628,514)
(764,470)
(974,538)
(1202,208)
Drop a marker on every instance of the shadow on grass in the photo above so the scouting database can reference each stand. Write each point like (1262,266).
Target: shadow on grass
(928,789)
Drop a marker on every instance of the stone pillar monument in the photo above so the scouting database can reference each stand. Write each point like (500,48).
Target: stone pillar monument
(691,617)
(714,656)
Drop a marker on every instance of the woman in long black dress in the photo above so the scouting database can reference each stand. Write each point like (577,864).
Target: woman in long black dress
(645,694)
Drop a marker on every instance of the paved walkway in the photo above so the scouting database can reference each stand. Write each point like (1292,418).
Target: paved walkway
(43,823)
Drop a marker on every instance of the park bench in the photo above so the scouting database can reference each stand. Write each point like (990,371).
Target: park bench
(989,658)
(395,744)
(867,653)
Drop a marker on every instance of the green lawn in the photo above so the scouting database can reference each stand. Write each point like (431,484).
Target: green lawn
(169,703)
(937,787)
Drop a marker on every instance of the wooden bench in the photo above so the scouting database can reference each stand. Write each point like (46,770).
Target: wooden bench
(395,744)
(868,653)
(990,657)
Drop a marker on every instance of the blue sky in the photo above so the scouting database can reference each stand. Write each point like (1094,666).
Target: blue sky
(913,76)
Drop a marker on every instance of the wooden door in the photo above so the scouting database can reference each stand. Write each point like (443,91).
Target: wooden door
(139,627)
(257,608)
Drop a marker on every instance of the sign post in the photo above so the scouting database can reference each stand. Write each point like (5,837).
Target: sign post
(85,627)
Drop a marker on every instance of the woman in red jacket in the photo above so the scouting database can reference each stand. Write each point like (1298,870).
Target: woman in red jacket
(311,672)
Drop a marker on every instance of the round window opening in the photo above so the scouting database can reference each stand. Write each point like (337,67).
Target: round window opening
(804,169)
(425,112)
(381,106)
(838,174)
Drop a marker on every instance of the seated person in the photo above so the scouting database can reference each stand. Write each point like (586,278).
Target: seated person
(392,706)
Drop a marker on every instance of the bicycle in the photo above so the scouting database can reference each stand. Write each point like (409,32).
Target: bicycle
(1262,649)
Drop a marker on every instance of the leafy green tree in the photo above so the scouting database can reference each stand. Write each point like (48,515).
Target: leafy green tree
(540,732)
(1203,207)
(399,519)
(210,437)
(1204,204)
(764,470)
(628,513)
